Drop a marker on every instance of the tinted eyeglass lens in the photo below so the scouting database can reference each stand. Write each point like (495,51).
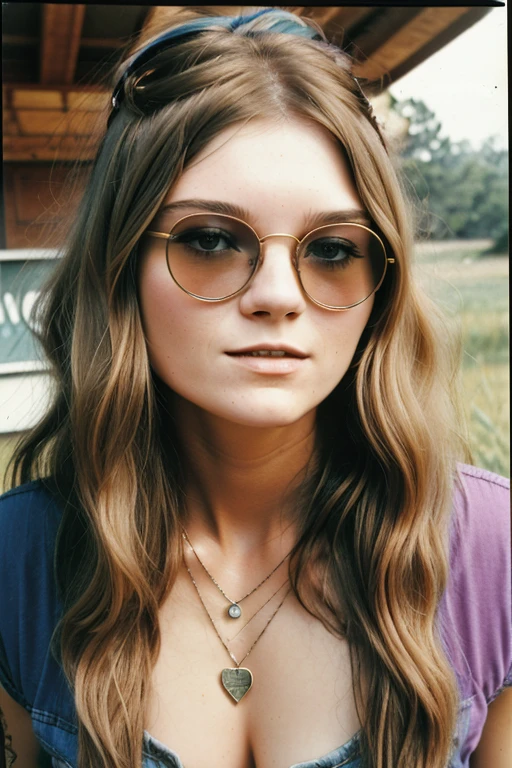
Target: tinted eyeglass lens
(212,256)
(341,265)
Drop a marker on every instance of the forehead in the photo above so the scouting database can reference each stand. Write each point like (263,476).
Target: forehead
(271,168)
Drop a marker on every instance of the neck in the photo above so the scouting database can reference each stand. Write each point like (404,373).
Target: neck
(242,482)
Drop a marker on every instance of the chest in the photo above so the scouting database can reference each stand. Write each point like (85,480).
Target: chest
(301,703)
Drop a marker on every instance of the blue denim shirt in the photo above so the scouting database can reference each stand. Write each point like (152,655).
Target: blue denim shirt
(30,609)
(158,755)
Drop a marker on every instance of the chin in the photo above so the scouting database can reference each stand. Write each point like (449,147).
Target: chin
(282,413)
(266,421)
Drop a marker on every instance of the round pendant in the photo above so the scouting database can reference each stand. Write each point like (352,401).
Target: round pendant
(235,611)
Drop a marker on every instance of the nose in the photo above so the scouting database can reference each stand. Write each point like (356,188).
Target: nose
(275,289)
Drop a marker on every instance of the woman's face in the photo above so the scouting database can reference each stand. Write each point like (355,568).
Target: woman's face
(282,174)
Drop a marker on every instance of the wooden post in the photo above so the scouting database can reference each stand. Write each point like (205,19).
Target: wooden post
(62,29)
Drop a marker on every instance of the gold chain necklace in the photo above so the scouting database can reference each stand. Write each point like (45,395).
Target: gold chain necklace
(237,681)
(234,610)
(259,609)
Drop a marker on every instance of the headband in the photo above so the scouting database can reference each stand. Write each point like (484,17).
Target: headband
(285,22)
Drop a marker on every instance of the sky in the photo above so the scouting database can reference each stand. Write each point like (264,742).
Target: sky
(465,83)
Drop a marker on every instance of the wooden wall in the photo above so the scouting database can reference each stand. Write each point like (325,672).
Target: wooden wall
(38,200)
(47,132)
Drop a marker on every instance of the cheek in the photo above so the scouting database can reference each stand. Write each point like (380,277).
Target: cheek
(163,313)
(179,330)
(341,334)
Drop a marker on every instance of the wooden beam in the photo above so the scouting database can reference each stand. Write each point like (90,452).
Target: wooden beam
(102,42)
(62,29)
(85,42)
(431,47)
(398,48)
(34,98)
(348,17)
(328,18)
(52,122)
(86,88)
(322,15)
(20,40)
(374,32)
(338,27)
(54,148)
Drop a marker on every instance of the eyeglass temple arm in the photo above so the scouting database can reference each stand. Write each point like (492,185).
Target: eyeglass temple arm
(162,235)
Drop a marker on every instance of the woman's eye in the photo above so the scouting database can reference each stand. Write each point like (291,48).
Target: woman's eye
(333,249)
(208,240)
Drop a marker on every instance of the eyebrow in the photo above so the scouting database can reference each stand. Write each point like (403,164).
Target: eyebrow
(313,219)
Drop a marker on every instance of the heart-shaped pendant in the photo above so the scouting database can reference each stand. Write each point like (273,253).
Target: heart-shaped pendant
(237,681)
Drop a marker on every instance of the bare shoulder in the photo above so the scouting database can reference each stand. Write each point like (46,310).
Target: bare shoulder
(18,742)
(495,745)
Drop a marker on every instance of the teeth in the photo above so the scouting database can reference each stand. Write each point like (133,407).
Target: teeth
(267,353)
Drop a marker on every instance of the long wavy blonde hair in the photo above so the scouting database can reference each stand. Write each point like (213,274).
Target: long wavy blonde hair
(373,534)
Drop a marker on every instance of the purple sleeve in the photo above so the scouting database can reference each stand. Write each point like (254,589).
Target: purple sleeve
(477,605)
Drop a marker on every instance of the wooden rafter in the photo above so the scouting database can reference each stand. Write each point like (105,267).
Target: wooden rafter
(52,122)
(371,34)
(396,49)
(321,15)
(62,29)
(431,46)
(56,118)
(85,42)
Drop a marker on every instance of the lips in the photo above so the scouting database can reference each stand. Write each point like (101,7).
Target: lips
(269,351)
(280,362)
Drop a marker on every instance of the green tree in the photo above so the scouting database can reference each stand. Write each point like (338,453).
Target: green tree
(457,191)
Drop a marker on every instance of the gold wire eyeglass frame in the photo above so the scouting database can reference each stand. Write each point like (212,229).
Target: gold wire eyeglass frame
(168,236)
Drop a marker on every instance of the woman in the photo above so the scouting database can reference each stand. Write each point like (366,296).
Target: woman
(248,475)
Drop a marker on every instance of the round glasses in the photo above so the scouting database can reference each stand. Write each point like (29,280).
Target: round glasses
(213,257)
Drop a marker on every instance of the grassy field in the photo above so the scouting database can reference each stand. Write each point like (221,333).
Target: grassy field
(473,290)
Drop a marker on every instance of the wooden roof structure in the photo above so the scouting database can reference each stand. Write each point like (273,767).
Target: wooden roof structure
(56,60)
(57,65)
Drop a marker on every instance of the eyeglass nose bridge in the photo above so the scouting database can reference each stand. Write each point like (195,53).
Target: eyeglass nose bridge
(280,234)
